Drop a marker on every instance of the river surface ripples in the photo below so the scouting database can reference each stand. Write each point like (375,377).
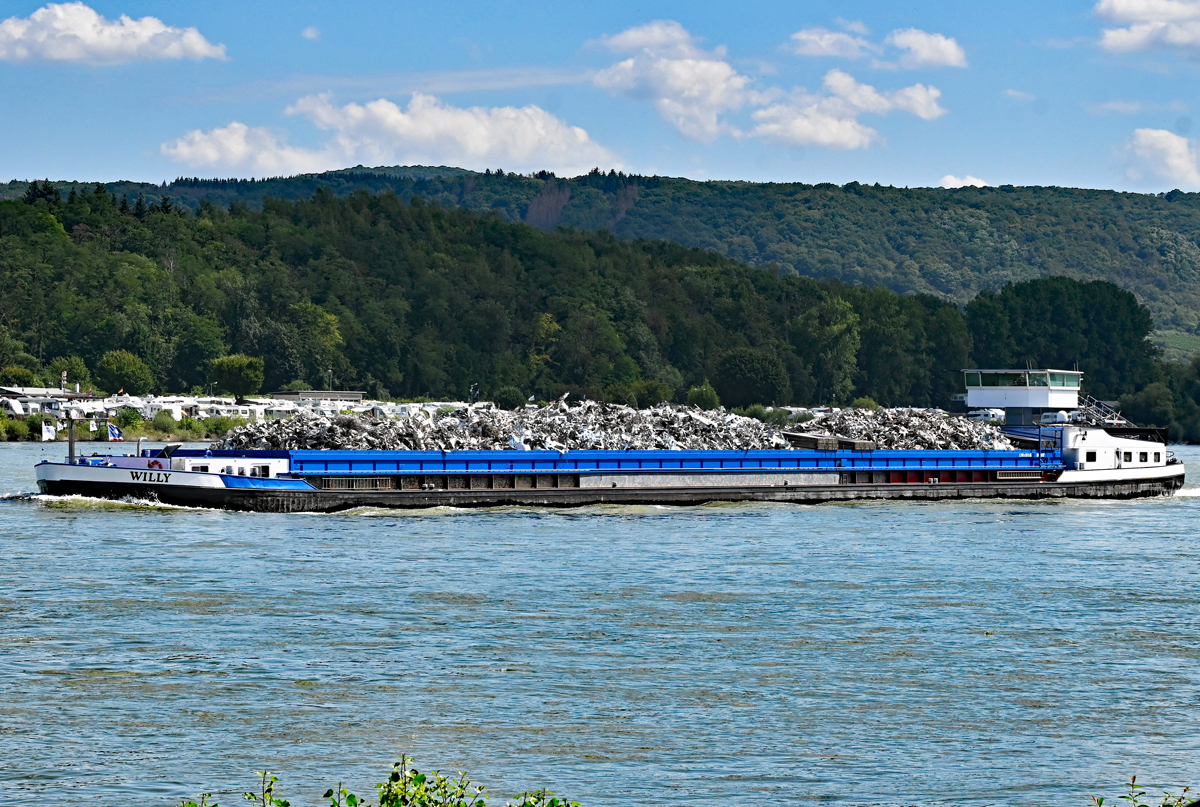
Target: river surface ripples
(973,653)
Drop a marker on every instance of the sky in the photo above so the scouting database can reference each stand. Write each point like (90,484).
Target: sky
(1092,94)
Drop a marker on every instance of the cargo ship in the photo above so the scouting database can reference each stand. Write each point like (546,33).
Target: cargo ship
(1096,456)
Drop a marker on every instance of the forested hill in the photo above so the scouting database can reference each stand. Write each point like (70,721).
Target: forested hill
(946,243)
(408,300)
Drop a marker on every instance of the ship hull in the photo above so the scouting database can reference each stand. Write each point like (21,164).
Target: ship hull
(297,499)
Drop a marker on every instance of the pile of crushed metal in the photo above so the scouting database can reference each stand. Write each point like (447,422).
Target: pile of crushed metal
(561,426)
(910,429)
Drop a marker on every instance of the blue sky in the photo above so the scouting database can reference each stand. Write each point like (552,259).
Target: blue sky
(1098,94)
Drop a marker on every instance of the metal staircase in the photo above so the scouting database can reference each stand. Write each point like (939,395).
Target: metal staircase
(1097,413)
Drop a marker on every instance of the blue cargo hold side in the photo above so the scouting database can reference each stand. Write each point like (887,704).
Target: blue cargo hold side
(485,462)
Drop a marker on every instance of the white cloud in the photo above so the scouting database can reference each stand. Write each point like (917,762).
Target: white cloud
(1157,155)
(951,181)
(694,89)
(311,32)
(381,132)
(73,32)
(809,124)
(822,42)
(921,49)
(1148,10)
(1154,25)
(856,26)
(691,88)
(831,120)
(254,150)
(926,49)
(1124,107)
(1118,107)
(1018,95)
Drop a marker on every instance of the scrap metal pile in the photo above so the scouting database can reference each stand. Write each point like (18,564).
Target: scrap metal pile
(561,426)
(906,429)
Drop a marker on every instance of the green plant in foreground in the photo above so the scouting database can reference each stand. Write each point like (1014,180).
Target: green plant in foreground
(266,795)
(405,787)
(341,796)
(204,797)
(1137,793)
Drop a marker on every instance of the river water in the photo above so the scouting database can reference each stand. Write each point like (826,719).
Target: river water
(970,653)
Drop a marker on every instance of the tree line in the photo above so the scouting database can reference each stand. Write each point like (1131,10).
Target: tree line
(411,299)
(949,244)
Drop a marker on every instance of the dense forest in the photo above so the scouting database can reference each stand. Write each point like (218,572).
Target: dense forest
(949,244)
(410,299)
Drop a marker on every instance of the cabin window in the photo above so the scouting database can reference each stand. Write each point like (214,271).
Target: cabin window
(1003,379)
(242,471)
(1157,456)
(200,469)
(1090,456)
(1038,380)
(260,470)
(1142,456)
(972,379)
(1128,456)
(1064,380)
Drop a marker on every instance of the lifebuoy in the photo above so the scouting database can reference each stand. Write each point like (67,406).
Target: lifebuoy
(155,464)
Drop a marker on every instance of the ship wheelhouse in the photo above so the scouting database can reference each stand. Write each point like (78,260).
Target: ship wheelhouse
(1024,395)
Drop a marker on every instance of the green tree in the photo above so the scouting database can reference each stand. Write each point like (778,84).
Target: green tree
(121,370)
(651,392)
(895,365)
(10,348)
(748,376)
(318,340)
(199,340)
(240,374)
(76,369)
(1060,322)
(703,396)
(950,345)
(827,337)
(1152,406)
(41,191)
(14,375)
(508,398)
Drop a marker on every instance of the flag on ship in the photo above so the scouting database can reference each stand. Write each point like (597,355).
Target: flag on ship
(114,433)
(91,425)
(49,432)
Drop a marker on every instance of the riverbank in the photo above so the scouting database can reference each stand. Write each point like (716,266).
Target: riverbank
(188,430)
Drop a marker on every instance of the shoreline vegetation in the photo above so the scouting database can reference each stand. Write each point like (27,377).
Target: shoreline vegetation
(188,430)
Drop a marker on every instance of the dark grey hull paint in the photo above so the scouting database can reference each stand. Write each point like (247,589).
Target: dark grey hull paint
(328,501)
